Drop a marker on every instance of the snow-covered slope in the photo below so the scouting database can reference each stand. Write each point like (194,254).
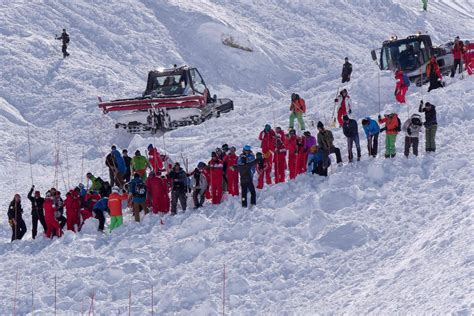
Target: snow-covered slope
(380,236)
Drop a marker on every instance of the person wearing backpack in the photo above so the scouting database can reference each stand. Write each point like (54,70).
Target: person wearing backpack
(297,109)
(65,39)
(137,191)
(412,127)
(401,86)
(431,125)
(392,127)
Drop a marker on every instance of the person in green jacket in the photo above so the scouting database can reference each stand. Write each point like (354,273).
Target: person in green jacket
(425,4)
(96,184)
(139,164)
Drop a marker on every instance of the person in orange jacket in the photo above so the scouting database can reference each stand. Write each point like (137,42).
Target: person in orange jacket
(280,161)
(232,175)
(157,193)
(73,206)
(434,74)
(154,158)
(216,167)
(401,87)
(292,145)
(297,109)
(392,127)
(52,223)
(115,206)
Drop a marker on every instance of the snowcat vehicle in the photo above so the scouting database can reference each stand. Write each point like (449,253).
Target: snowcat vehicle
(173,98)
(412,54)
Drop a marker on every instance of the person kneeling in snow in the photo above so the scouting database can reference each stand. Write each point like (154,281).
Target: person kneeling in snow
(318,162)
(99,209)
(245,168)
(412,128)
(115,207)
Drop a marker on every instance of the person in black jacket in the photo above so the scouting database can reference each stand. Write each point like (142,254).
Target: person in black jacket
(351,131)
(65,39)
(128,161)
(245,169)
(15,218)
(431,125)
(346,70)
(37,212)
(179,188)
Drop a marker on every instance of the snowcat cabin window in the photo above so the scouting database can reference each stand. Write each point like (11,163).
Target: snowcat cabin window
(167,85)
(198,83)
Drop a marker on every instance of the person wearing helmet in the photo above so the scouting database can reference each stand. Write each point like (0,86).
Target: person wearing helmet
(115,206)
(65,39)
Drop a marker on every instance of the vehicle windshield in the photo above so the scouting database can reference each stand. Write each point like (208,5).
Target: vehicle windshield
(406,55)
(169,84)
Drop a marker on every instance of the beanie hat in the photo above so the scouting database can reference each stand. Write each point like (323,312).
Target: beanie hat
(345,118)
(320,125)
(150,146)
(137,153)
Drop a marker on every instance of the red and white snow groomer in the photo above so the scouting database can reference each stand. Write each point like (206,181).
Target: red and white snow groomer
(173,98)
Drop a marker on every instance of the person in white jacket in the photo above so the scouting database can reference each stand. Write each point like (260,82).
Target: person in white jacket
(412,129)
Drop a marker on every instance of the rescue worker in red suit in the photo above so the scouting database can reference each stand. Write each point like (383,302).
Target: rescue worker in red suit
(52,223)
(154,158)
(343,101)
(281,133)
(292,146)
(268,138)
(469,57)
(458,51)
(73,205)
(232,175)
(216,168)
(90,199)
(280,161)
(433,74)
(157,193)
(400,87)
(301,158)
(264,167)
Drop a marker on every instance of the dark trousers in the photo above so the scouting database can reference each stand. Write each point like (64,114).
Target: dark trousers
(18,229)
(321,169)
(411,142)
(373,144)
(198,198)
(457,63)
(111,177)
(126,177)
(346,79)
(34,221)
(246,187)
(64,50)
(175,196)
(100,216)
(337,151)
(350,143)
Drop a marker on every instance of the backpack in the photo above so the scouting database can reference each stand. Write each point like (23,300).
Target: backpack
(140,190)
(406,80)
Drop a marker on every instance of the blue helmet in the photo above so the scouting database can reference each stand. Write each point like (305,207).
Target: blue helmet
(247,148)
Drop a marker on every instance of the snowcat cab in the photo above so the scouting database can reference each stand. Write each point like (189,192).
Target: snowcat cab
(411,55)
(173,98)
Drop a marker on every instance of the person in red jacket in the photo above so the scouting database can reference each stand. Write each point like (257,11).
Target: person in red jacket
(281,133)
(154,158)
(157,193)
(268,138)
(469,57)
(263,168)
(458,52)
(232,175)
(292,146)
(302,156)
(280,161)
(52,224)
(73,206)
(216,168)
(343,101)
(400,87)
(433,74)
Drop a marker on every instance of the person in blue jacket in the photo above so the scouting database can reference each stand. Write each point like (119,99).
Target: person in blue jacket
(249,155)
(318,162)
(99,209)
(137,191)
(117,167)
(372,130)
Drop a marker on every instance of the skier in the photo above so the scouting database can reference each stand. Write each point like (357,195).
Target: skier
(412,127)
(216,170)
(292,146)
(392,127)
(245,168)
(232,176)
(297,109)
(53,228)
(115,206)
(15,218)
(73,205)
(65,39)
(343,101)
(139,165)
(268,138)
(280,161)
(99,210)
(179,182)
(199,185)
(401,87)
(138,192)
(431,125)
(154,158)
(434,74)
(372,130)
(458,52)
(326,143)
(425,4)
(351,131)
(37,212)
(127,161)
(346,70)
(157,193)
(263,166)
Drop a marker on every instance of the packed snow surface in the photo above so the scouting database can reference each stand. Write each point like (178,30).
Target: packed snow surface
(378,236)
